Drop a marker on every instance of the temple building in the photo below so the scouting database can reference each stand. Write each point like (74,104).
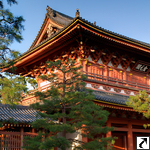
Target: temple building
(116,67)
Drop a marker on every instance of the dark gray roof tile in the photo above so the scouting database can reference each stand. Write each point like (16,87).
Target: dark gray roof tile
(18,113)
(110,97)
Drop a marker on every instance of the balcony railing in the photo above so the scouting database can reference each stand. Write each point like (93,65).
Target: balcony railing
(115,81)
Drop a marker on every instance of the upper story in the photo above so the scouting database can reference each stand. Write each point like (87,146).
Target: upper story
(112,62)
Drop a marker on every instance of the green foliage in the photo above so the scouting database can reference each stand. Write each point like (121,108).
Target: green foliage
(31,145)
(10,29)
(32,82)
(140,103)
(1,124)
(10,2)
(12,88)
(67,108)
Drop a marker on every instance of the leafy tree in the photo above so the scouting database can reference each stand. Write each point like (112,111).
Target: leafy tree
(10,2)
(12,88)
(140,103)
(67,108)
(11,27)
(32,82)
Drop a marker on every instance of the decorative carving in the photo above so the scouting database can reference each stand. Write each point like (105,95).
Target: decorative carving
(77,13)
(127,92)
(51,30)
(107,88)
(118,90)
(95,86)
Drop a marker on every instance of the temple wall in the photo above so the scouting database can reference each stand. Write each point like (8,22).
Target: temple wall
(77,137)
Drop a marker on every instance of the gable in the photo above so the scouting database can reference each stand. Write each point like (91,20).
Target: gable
(53,22)
(48,29)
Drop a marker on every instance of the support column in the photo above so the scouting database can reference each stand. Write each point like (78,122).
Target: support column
(130,136)
(107,73)
(33,130)
(108,134)
(84,139)
(21,137)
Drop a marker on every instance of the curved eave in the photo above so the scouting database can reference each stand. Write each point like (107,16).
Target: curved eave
(115,37)
(49,41)
(93,29)
(36,38)
(113,105)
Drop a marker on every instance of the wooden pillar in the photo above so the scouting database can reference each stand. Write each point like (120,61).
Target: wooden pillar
(130,136)
(21,137)
(107,73)
(39,82)
(33,130)
(84,139)
(43,130)
(108,134)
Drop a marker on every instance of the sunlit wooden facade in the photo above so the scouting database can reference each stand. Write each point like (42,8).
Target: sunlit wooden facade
(116,67)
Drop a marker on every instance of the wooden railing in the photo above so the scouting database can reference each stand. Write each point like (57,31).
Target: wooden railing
(13,140)
(116,81)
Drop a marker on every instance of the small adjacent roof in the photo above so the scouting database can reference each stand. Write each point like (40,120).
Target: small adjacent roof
(110,97)
(22,114)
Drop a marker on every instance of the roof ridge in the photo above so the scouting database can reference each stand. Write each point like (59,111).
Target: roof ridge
(15,106)
(52,12)
(117,34)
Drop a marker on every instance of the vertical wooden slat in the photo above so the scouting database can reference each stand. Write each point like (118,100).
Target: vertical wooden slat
(14,143)
(13,140)
(21,137)
(2,144)
(17,142)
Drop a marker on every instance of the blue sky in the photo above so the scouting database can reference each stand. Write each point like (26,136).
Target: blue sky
(126,17)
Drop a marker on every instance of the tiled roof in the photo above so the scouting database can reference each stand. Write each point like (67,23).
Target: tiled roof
(58,17)
(22,114)
(116,34)
(110,97)
(65,20)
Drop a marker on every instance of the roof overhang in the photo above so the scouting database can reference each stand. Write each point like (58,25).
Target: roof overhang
(69,33)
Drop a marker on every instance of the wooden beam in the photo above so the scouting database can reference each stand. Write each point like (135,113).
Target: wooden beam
(125,121)
(141,130)
(121,129)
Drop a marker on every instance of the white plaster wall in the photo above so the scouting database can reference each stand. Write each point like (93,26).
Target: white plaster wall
(76,136)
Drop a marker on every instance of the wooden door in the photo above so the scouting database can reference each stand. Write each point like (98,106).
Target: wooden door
(121,142)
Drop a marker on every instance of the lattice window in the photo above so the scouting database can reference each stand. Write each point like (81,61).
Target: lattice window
(10,142)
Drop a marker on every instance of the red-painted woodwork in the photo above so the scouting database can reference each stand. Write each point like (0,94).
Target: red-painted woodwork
(121,141)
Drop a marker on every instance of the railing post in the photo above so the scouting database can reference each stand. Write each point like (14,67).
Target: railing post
(2,141)
(21,137)
(107,74)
